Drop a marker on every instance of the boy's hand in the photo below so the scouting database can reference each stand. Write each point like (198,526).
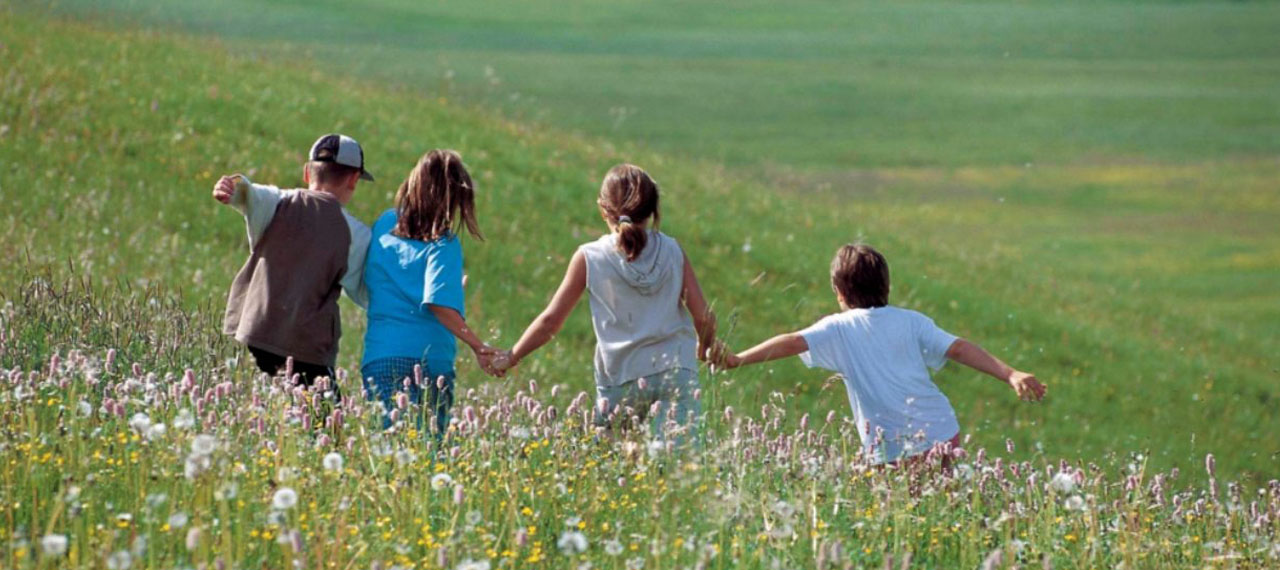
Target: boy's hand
(486,356)
(1026,386)
(225,189)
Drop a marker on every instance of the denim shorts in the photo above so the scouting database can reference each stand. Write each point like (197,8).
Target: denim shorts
(386,377)
(677,410)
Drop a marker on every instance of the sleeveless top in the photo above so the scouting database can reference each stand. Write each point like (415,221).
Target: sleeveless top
(641,325)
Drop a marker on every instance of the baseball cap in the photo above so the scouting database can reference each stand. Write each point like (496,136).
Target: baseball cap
(340,149)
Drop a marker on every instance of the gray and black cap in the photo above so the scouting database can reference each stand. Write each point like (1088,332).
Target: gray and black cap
(340,149)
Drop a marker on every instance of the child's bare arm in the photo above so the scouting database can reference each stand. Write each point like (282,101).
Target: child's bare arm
(1024,384)
(704,319)
(547,324)
(778,347)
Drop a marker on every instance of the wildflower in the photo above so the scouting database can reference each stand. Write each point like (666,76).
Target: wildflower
(54,544)
(1074,503)
(404,457)
(520,432)
(332,462)
(184,419)
(459,495)
(635,563)
(203,445)
(469,564)
(440,481)
(1062,482)
(474,517)
(572,542)
(178,520)
(285,498)
(120,560)
(612,547)
(783,509)
(140,423)
(193,538)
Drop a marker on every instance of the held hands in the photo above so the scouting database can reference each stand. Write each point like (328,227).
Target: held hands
(719,356)
(1026,386)
(494,361)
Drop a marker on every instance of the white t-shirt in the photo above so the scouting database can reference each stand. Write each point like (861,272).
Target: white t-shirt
(884,355)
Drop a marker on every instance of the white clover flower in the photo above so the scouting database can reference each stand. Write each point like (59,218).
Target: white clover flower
(1062,482)
(54,544)
(178,520)
(612,547)
(572,542)
(470,564)
(655,448)
(1074,503)
(440,481)
(635,563)
(520,432)
(84,408)
(333,461)
(203,445)
(284,499)
(405,457)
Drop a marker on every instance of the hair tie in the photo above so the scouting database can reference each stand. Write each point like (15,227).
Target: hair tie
(624,220)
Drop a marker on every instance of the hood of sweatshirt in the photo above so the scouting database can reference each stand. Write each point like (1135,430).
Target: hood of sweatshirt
(651,269)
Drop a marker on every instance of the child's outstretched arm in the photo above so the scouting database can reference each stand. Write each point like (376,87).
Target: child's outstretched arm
(257,203)
(547,324)
(776,348)
(1024,384)
(704,319)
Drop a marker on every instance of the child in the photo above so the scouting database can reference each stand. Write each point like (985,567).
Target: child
(884,353)
(304,249)
(645,307)
(414,278)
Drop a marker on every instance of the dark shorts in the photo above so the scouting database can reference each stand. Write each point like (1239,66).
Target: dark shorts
(274,364)
(385,377)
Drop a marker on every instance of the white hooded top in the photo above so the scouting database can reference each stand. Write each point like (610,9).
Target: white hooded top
(641,325)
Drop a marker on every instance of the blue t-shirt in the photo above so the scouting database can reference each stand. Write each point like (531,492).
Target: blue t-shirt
(403,277)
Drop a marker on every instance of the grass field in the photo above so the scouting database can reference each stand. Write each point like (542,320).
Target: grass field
(1138,280)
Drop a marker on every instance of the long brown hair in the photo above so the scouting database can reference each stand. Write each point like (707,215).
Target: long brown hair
(628,198)
(436,194)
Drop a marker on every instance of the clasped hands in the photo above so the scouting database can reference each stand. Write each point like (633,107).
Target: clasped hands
(493,360)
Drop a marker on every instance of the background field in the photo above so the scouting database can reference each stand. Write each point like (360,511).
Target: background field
(1087,190)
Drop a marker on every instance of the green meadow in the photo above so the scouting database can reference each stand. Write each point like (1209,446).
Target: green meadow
(1088,190)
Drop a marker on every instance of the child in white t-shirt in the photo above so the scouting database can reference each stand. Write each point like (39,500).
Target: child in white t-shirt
(884,354)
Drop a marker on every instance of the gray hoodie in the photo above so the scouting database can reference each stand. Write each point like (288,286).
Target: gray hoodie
(642,327)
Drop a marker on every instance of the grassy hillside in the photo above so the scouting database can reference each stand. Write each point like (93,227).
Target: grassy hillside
(817,83)
(1139,291)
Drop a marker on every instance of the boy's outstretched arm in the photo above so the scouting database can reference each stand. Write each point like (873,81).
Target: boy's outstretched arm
(1025,385)
(257,203)
(547,324)
(704,319)
(778,347)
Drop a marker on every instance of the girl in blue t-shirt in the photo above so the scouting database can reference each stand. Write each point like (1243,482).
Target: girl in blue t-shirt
(413,273)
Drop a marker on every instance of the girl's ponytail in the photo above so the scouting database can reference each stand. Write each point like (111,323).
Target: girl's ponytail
(628,199)
(632,238)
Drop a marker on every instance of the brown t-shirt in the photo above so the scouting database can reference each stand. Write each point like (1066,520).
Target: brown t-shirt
(285,298)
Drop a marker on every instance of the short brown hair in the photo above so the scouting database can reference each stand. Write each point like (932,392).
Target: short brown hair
(323,172)
(861,275)
(435,198)
(628,199)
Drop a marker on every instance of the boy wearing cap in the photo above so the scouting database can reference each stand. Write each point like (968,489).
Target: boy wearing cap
(304,249)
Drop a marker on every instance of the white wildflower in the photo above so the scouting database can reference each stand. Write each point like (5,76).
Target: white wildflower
(120,560)
(54,544)
(441,481)
(285,498)
(184,419)
(520,432)
(140,423)
(612,547)
(572,542)
(178,520)
(333,461)
(1074,503)
(1062,482)
(203,445)
(156,431)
